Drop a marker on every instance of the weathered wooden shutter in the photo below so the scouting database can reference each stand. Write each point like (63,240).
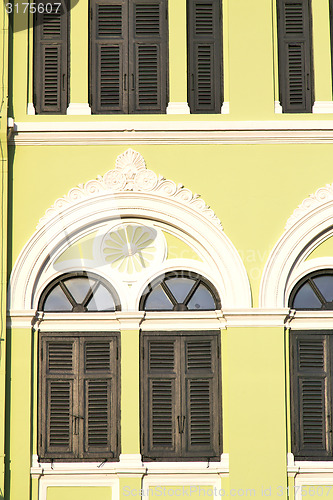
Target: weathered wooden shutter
(311,400)
(148,56)
(109,56)
(204,49)
(58,358)
(201,387)
(295,55)
(160,393)
(98,407)
(51,59)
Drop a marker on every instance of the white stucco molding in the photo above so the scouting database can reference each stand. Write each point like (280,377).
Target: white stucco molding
(129,191)
(310,225)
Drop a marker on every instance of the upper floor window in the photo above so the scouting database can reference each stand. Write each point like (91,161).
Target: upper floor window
(295,56)
(128,56)
(204,55)
(51,57)
(311,359)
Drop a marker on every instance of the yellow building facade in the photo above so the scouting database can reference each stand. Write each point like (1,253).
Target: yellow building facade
(109,255)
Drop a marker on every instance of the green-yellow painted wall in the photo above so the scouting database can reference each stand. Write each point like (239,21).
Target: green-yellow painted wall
(83,493)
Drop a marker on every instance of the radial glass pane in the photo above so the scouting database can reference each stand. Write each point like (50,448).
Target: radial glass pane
(57,301)
(157,300)
(102,300)
(201,299)
(325,285)
(305,298)
(79,287)
(180,287)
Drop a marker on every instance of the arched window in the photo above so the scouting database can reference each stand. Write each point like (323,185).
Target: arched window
(78,375)
(180,291)
(311,357)
(180,374)
(78,292)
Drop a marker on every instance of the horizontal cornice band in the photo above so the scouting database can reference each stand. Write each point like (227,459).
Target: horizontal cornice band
(205,132)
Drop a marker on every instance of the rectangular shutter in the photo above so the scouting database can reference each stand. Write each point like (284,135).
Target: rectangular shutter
(109,56)
(98,407)
(148,54)
(51,59)
(202,394)
(204,49)
(58,357)
(160,397)
(295,56)
(311,404)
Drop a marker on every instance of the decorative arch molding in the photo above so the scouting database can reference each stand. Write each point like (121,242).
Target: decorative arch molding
(129,192)
(309,226)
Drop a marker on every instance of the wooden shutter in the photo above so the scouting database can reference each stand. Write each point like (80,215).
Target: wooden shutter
(109,56)
(99,405)
(295,56)
(202,432)
(181,396)
(204,49)
(57,406)
(51,59)
(148,54)
(160,392)
(311,401)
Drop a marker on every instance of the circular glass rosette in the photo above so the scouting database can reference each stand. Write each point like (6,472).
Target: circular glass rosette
(132,248)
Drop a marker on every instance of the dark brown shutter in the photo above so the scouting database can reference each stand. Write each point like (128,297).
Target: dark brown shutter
(201,397)
(51,58)
(58,395)
(160,397)
(295,55)
(204,48)
(311,401)
(108,54)
(148,55)
(98,406)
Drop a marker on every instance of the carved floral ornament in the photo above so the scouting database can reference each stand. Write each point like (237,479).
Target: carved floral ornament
(320,197)
(131,174)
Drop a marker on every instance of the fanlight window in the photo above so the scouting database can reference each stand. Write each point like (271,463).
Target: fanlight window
(78,292)
(315,291)
(180,291)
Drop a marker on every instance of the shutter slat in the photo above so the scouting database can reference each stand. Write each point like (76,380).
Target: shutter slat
(200,413)
(97,356)
(98,413)
(60,356)
(199,355)
(204,56)
(295,57)
(59,415)
(162,396)
(312,397)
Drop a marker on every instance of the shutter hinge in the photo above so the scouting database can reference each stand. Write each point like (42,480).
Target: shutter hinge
(117,353)
(143,439)
(166,13)
(143,353)
(218,353)
(219,438)
(42,353)
(41,440)
(91,13)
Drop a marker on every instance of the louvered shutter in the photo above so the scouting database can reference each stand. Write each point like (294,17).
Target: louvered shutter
(58,395)
(99,405)
(295,56)
(201,388)
(160,392)
(311,401)
(51,59)
(204,49)
(109,59)
(148,56)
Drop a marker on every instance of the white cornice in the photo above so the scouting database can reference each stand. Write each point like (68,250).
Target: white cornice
(256,317)
(172,132)
(312,320)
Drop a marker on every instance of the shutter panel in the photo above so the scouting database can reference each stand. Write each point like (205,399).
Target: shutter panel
(204,56)
(108,52)
(201,397)
(51,60)
(160,394)
(148,51)
(99,404)
(295,56)
(310,395)
(58,394)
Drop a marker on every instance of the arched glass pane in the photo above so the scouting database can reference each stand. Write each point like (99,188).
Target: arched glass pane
(57,301)
(305,298)
(157,300)
(202,300)
(180,287)
(102,300)
(325,285)
(79,287)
